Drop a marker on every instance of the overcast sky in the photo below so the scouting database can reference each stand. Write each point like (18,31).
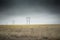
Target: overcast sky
(40,11)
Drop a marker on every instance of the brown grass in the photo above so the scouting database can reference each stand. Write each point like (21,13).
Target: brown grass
(30,32)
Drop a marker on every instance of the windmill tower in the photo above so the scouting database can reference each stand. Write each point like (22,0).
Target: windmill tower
(28,20)
(13,21)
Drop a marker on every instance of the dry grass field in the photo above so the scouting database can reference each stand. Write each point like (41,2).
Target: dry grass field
(30,32)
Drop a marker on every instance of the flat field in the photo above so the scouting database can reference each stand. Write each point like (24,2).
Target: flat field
(30,32)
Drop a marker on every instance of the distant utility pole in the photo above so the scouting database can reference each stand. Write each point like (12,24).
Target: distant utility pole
(28,20)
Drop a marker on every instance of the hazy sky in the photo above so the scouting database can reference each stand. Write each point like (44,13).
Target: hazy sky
(40,11)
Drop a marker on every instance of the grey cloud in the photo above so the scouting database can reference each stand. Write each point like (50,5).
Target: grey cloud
(32,8)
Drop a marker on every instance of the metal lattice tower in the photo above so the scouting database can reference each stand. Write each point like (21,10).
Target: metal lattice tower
(13,21)
(28,20)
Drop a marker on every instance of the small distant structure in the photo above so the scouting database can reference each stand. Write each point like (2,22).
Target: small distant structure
(13,22)
(28,20)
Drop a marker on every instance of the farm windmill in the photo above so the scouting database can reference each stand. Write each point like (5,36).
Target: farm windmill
(13,21)
(28,20)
